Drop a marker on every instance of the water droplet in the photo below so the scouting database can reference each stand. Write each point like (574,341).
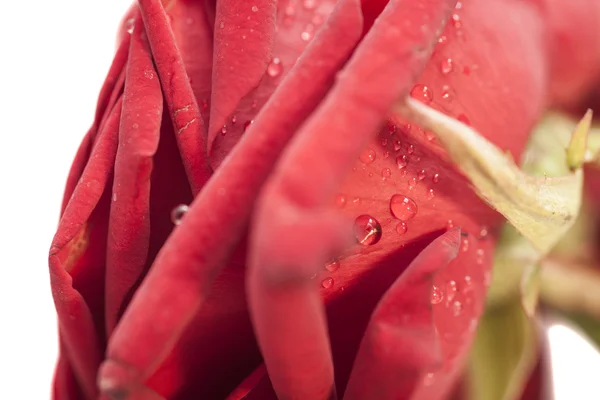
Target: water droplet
(327,283)
(384,141)
(422,93)
(401,228)
(402,207)
(114,197)
(367,230)
(309,4)
(430,136)
(247,124)
(411,149)
(274,69)
(386,154)
(428,379)
(290,10)
(129,25)
(468,284)
(148,74)
(451,290)
(480,256)
(397,145)
(437,295)
(456,21)
(332,266)
(233,120)
(443,39)
(178,213)
(386,173)
(458,5)
(307,33)
(224,130)
(392,129)
(487,278)
(430,194)
(457,308)
(446,66)
(254,9)
(449,224)
(483,232)
(356,200)
(340,200)
(447,93)
(412,183)
(368,156)
(463,118)
(465,244)
(422,174)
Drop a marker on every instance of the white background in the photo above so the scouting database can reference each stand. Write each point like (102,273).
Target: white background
(53,59)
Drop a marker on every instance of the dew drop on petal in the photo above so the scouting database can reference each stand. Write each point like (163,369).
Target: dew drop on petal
(428,379)
(368,156)
(403,207)
(429,136)
(412,183)
(178,213)
(340,201)
(327,283)
(224,130)
(332,266)
(401,161)
(392,129)
(465,245)
(468,284)
(449,224)
(401,228)
(421,175)
(247,124)
(430,194)
(483,232)
(446,93)
(411,149)
(367,230)
(290,10)
(114,197)
(487,278)
(451,289)
(443,39)
(386,173)
(456,20)
(463,118)
(306,35)
(309,4)
(446,66)
(274,69)
(129,25)
(422,93)
(437,295)
(254,9)
(397,145)
(435,178)
(457,308)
